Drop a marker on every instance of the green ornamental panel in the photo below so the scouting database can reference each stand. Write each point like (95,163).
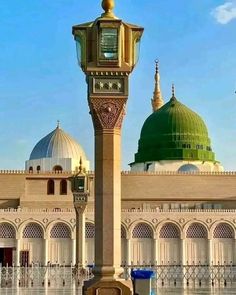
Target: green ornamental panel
(174,132)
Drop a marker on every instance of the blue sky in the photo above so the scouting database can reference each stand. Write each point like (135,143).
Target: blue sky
(40,82)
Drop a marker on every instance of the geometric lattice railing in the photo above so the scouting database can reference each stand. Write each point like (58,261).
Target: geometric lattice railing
(196,231)
(223,231)
(7,231)
(33,231)
(60,231)
(142,231)
(169,231)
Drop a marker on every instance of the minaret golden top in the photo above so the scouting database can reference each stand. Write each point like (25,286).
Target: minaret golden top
(108,6)
(157,101)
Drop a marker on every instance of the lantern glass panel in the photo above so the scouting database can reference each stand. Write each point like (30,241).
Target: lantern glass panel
(78,50)
(109,43)
(136,51)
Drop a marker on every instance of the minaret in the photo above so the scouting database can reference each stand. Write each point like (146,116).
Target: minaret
(157,100)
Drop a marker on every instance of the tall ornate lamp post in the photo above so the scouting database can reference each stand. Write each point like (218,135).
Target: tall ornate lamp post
(107,50)
(79,187)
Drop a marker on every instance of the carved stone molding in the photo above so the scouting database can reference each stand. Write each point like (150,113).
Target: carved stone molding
(107,113)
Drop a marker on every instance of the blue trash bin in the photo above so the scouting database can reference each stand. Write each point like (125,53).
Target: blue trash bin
(142,281)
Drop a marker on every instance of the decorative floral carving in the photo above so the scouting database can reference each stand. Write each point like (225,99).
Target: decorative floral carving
(209,220)
(182,220)
(155,220)
(17,220)
(72,220)
(107,113)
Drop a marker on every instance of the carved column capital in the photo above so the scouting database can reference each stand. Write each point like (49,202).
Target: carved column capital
(107,113)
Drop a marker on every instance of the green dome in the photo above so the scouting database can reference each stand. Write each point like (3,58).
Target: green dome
(174,132)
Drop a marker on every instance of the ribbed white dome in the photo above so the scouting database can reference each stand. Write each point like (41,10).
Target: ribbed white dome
(57,144)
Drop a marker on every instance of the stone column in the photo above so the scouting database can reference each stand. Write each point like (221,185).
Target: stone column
(45,252)
(155,251)
(80,236)
(107,114)
(107,203)
(234,251)
(128,251)
(183,251)
(73,258)
(210,252)
(17,252)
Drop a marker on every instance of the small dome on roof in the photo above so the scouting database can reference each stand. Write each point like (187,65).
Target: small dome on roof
(57,144)
(57,151)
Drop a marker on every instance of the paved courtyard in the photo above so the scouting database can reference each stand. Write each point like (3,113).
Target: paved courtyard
(160,291)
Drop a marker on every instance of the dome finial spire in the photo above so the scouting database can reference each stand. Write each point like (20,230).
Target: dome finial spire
(157,100)
(173,90)
(58,123)
(108,6)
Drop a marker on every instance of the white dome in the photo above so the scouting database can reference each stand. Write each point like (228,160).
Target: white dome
(57,144)
(57,149)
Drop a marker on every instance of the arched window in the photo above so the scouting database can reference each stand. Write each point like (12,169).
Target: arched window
(223,231)
(33,231)
(50,187)
(7,231)
(63,187)
(196,231)
(30,169)
(169,231)
(89,230)
(57,168)
(60,231)
(38,169)
(142,231)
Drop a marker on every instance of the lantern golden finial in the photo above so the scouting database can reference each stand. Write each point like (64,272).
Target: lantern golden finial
(108,6)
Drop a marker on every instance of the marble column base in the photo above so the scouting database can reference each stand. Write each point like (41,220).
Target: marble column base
(108,287)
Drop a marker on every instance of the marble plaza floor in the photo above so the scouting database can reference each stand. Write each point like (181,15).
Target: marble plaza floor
(159,291)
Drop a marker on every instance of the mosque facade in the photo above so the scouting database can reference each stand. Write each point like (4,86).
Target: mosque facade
(178,203)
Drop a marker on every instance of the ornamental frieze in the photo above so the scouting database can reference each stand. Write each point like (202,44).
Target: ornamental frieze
(108,85)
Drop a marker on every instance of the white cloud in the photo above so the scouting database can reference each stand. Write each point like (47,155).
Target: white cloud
(225,13)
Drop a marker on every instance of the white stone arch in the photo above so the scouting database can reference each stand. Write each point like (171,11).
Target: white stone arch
(89,242)
(223,243)
(187,224)
(11,224)
(133,224)
(7,243)
(52,223)
(169,246)
(25,222)
(163,222)
(214,225)
(32,242)
(142,243)
(59,243)
(196,243)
